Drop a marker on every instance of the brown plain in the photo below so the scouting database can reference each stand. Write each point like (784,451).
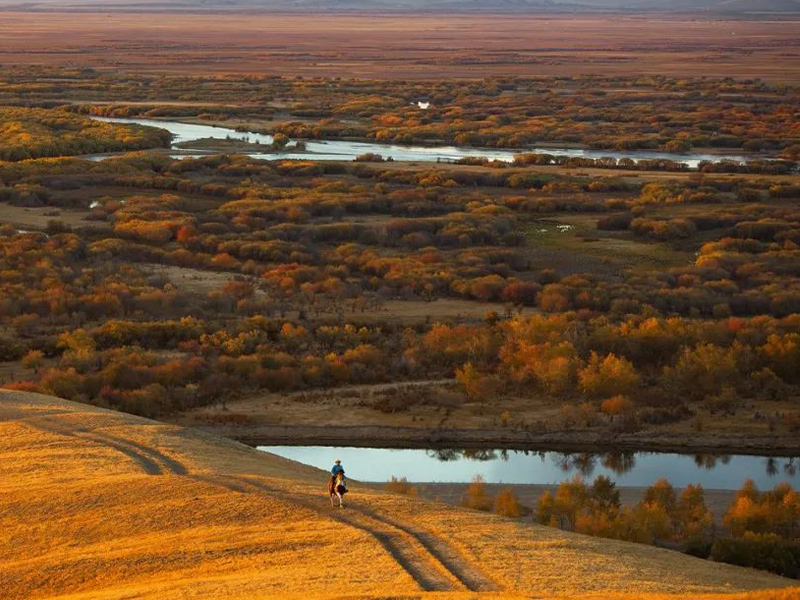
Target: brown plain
(98,504)
(405,46)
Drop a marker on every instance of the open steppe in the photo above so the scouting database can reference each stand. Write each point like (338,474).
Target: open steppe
(546,303)
(404,46)
(97,504)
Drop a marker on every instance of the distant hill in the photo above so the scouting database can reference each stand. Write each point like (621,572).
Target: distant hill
(495,6)
(757,6)
(739,6)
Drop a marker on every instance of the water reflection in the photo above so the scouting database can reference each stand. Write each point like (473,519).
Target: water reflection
(583,463)
(619,463)
(709,461)
(450,454)
(713,471)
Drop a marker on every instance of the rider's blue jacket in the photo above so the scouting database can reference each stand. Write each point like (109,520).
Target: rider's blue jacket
(337,469)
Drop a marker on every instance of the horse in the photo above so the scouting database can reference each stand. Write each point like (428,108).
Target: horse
(337,489)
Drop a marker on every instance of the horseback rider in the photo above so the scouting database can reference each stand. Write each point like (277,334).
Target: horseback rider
(337,468)
(337,487)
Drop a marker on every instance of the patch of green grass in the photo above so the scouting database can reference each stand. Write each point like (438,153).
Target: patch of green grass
(577,235)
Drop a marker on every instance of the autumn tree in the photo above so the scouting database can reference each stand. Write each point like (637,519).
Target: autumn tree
(618,406)
(33,360)
(478,386)
(476,496)
(506,504)
(608,376)
(693,519)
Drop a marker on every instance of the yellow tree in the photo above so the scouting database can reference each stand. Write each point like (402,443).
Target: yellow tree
(694,520)
(608,376)
(478,386)
(507,505)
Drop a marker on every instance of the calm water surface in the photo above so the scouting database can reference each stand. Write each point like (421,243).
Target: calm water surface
(344,150)
(498,466)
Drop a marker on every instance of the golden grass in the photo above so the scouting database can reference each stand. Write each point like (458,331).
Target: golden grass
(99,505)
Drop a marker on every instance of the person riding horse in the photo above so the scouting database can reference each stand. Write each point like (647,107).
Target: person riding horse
(337,468)
(336,486)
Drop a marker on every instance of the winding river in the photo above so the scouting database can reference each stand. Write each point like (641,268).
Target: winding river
(498,466)
(183,133)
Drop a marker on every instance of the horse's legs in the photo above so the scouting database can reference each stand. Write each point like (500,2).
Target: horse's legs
(332,504)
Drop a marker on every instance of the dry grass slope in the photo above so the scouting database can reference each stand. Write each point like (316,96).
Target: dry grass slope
(101,505)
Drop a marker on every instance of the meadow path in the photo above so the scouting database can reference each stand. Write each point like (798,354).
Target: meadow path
(433,563)
(101,505)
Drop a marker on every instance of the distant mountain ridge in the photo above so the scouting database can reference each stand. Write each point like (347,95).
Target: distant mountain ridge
(494,6)
(753,6)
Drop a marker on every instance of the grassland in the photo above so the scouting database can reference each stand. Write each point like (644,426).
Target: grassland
(101,505)
(407,46)
(37,217)
(561,241)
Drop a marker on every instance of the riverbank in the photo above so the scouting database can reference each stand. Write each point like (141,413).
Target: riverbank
(563,441)
(341,149)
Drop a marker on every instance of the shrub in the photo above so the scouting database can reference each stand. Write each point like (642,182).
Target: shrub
(476,496)
(369,157)
(760,551)
(401,486)
(477,386)
(33,360)
(617,222)
(617,406)
(608,376)
(507,505)
(774,512)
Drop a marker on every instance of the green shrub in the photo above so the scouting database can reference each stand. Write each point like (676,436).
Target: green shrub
(767,552)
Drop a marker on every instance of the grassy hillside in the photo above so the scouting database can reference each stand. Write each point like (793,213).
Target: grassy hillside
(97,504)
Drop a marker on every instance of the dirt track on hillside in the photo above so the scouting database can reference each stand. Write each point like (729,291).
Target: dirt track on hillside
(111,506)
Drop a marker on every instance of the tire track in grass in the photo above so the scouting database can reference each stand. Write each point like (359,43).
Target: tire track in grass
(470,577)
(174,466)
(432,562)
(151,460)
(430,573)
(399,549)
